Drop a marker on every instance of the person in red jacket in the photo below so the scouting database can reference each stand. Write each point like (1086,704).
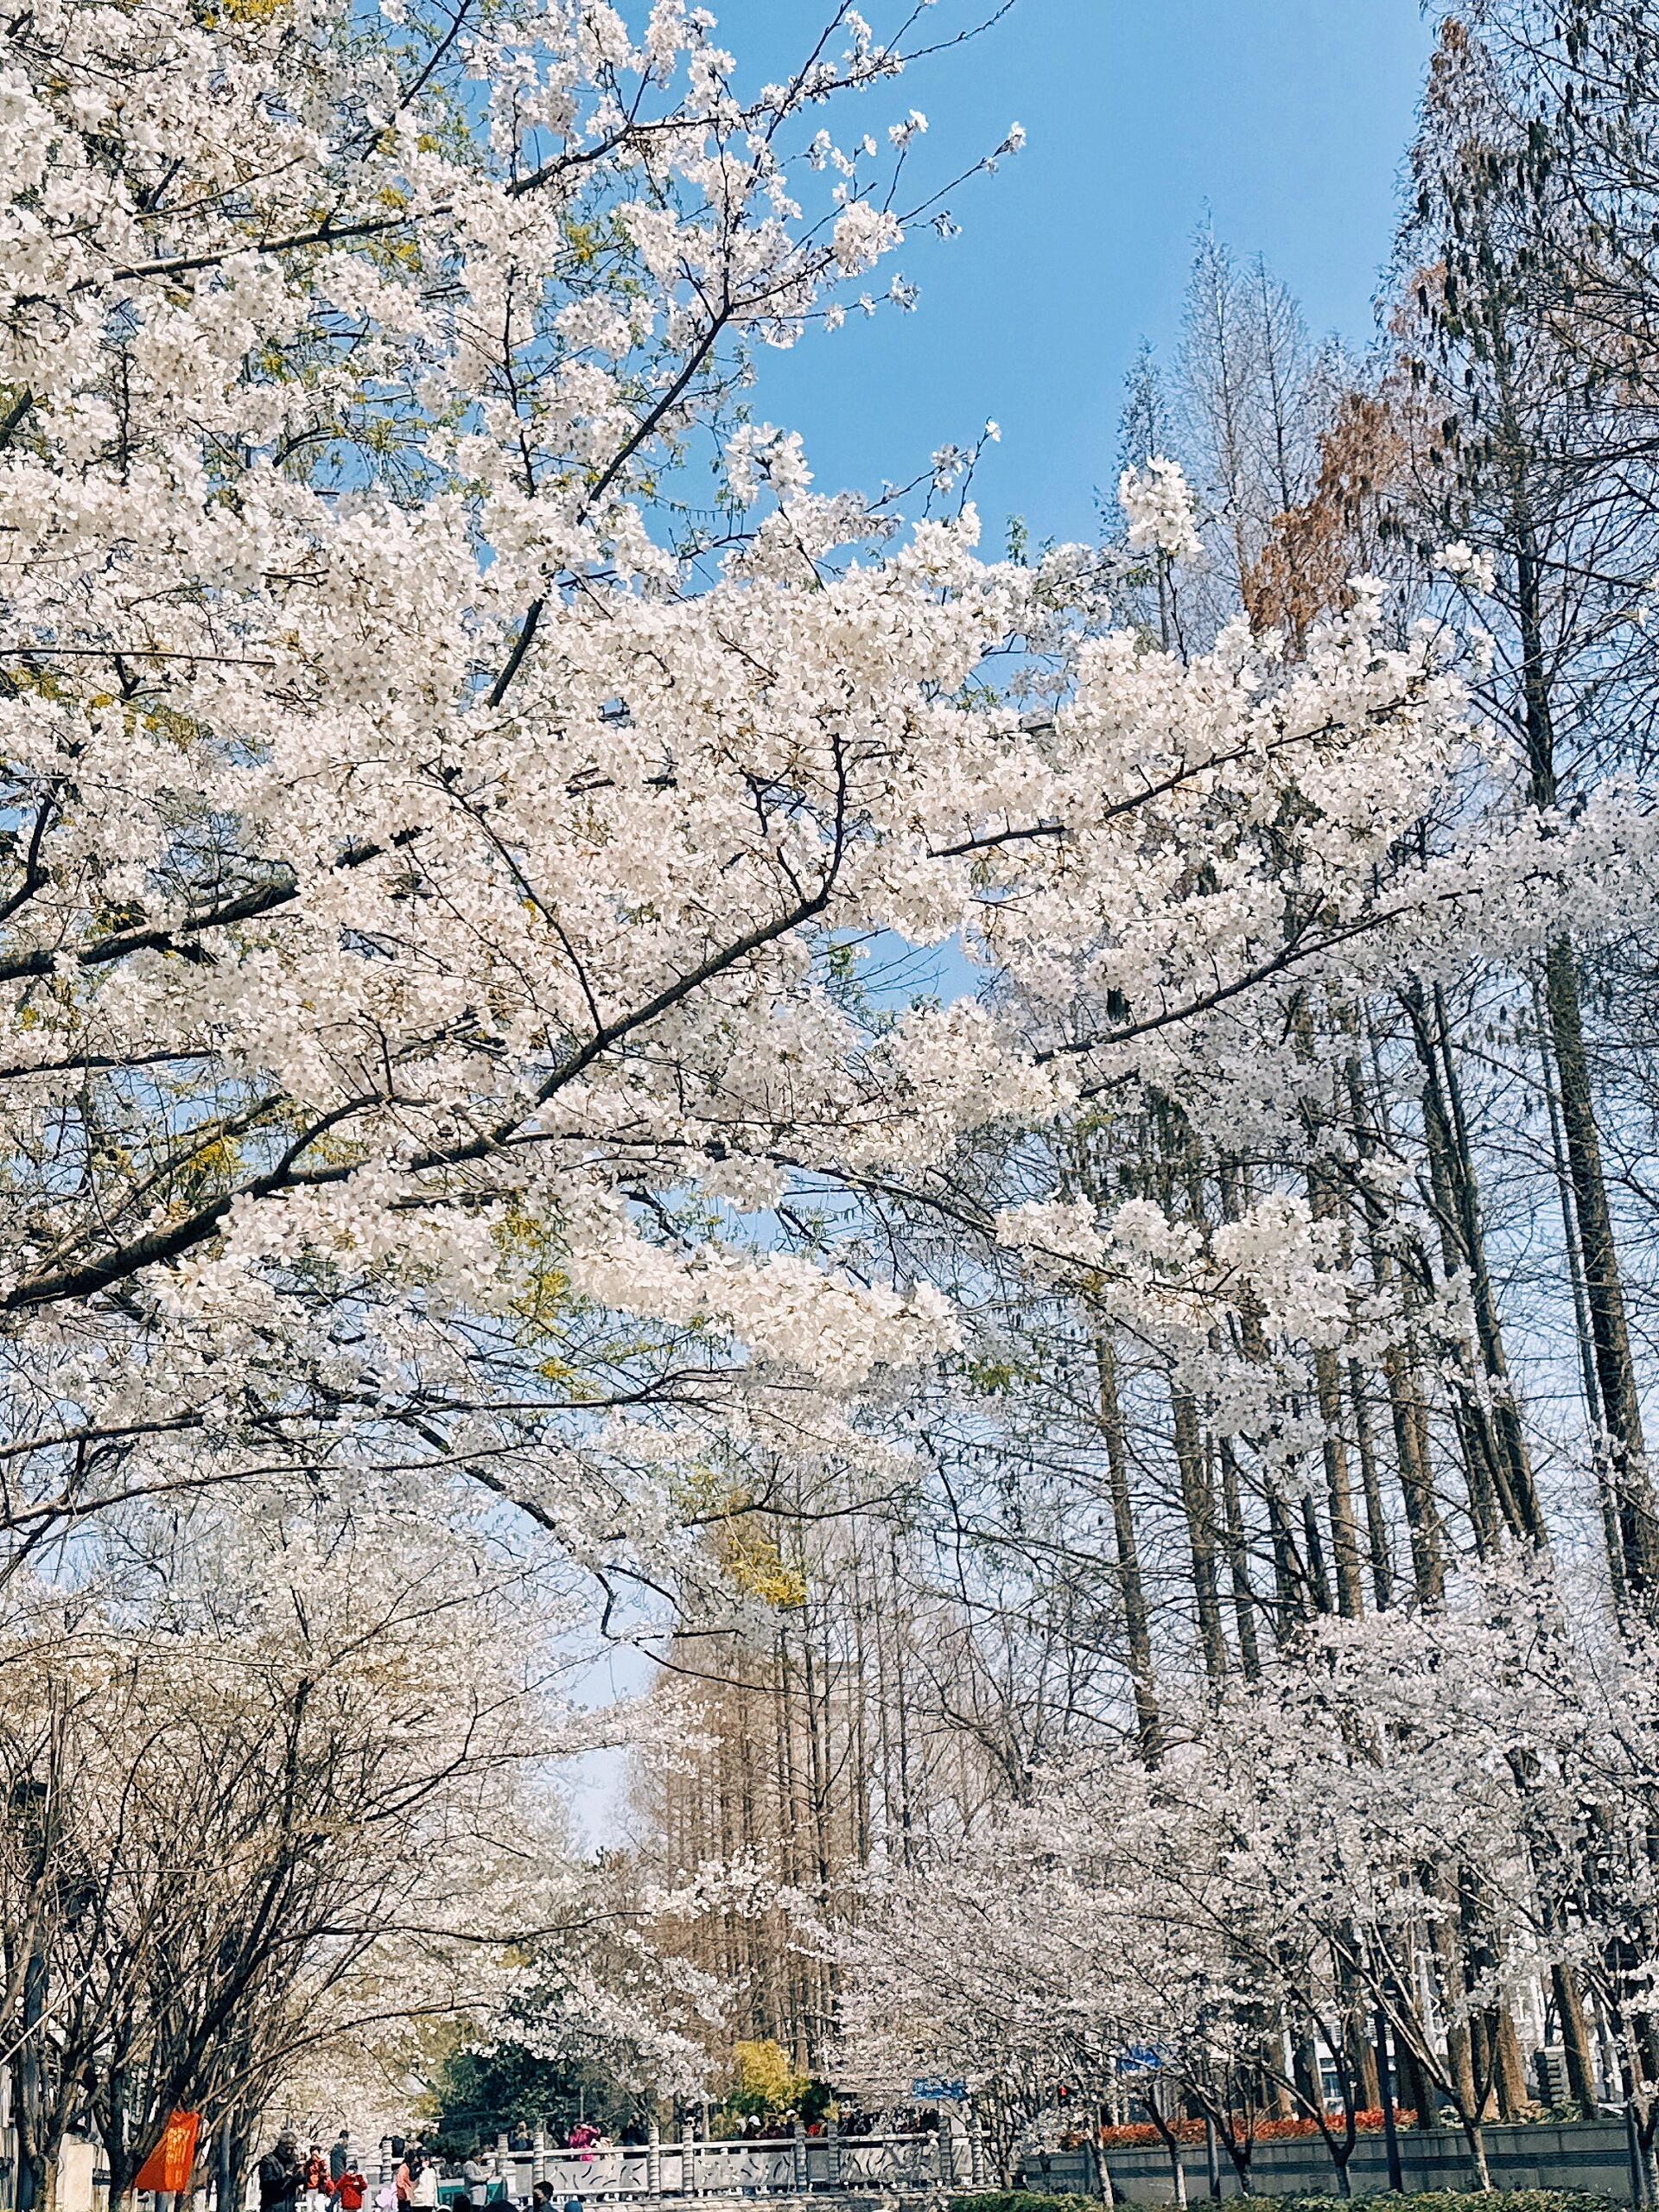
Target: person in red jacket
(316,2180)
(350,2190)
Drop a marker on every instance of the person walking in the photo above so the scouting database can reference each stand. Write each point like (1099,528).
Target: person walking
(340,2157)
(424,2183)
(316,2180)
(281,2178)
(350,2189)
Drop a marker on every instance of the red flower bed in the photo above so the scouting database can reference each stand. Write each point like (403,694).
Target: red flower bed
(1143,2135)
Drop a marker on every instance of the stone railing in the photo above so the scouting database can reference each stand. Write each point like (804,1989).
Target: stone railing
(787,2165)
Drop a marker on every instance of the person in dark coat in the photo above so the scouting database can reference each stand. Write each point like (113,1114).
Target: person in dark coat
(281,2178)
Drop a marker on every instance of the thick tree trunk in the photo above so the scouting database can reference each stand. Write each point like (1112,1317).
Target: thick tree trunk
(1338,1490)
(1575,2038)
(1131,1590)
(1292,1602)
(1406,1415)
(1338,1486)
(1517,1494)
(1244,1600)
(1632,1483)
(1319,1587)
(1416,2089)
(1361,2056)
(1613,1536)
(1199,1505)
(1410,1424)
(1509,2068)
(1498,1465)
(1378,1554)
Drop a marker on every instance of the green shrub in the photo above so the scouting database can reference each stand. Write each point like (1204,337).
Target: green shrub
(1024,2199)
(1431,2200)
(1457,2200)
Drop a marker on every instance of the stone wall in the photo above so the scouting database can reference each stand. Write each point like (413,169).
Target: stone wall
(1588,2154)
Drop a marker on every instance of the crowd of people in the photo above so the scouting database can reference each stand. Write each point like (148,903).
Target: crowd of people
(334,2181)
(315,2182)
(777,2127)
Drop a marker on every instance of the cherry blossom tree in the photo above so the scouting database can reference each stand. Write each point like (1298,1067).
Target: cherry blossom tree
(443,829)
(433,853)
(271,1779)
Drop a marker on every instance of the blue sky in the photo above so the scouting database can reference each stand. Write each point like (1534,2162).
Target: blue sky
(1285,120)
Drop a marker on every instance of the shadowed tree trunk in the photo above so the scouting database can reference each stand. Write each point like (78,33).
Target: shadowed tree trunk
(1137,1623)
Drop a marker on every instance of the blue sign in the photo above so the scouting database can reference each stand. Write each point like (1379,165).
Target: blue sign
(1143,2058)
(927,2089)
